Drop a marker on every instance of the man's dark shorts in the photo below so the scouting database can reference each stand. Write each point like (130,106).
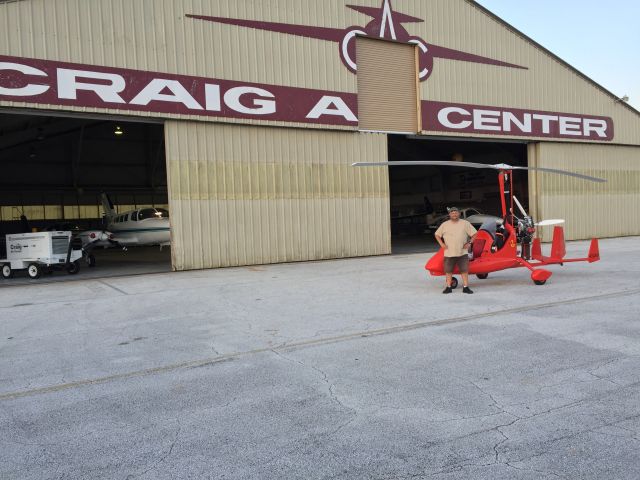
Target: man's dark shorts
(462,263)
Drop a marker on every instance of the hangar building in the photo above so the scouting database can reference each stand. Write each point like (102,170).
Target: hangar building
(244,118)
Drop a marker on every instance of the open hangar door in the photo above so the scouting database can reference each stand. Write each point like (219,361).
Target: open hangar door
(54,170)
(420,195)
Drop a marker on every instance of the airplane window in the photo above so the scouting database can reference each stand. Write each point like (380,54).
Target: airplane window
(152,213)
(147,213)
(134,216)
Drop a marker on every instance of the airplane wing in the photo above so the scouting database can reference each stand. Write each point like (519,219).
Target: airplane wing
(126,241)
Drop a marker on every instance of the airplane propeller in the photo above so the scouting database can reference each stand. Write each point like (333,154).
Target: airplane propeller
(520,207)
(543,223)
(497,166)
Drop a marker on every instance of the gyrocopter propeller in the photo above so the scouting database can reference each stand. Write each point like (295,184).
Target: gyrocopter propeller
(519,247)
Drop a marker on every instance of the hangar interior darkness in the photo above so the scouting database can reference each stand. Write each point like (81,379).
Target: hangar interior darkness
(55,168)
(421,194)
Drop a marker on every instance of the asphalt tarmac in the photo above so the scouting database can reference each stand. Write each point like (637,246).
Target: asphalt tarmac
(326,370)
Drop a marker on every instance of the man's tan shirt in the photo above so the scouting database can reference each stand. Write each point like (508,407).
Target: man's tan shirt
(455,235)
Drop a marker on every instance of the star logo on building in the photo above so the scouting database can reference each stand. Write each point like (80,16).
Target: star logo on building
(386,24)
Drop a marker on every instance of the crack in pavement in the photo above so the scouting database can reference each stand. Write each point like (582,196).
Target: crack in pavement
(505,438)
(331,386)
(308,343)
(159,460)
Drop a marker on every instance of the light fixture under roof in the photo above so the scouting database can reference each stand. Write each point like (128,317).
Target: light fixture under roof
(118,131)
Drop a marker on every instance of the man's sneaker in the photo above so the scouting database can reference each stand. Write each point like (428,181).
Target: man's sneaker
(447,290)
(467,290)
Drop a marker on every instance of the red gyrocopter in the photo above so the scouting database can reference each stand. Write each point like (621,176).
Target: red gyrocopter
(511,244)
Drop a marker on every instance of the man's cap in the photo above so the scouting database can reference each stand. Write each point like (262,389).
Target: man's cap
(453,209)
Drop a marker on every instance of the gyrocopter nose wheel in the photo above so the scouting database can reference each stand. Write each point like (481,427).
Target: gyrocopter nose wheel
(454,282)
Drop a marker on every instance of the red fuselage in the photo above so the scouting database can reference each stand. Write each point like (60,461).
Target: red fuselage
(484,261)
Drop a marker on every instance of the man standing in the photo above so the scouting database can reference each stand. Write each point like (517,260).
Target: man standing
(455,236)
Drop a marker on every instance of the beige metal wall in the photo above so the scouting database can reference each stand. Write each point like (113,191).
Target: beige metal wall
(156,35)
(255,195)
(590,209)
(547,84)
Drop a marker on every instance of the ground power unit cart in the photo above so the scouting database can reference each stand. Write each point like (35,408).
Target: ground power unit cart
(40,252)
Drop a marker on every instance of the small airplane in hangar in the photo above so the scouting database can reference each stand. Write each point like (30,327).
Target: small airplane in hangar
(141,227)
(511,244)
(144,226)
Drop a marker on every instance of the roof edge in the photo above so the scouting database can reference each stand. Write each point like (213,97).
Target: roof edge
(488,12)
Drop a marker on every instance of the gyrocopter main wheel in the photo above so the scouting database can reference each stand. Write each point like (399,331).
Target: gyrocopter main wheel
(454,282)
(482,276)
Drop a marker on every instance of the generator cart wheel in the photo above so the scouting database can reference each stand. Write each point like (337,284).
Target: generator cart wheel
(454,282)
(482,276)
(34,270)
(539,282)
(6,271)
(73,268)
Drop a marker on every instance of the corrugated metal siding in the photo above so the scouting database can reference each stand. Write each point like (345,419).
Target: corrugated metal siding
(547,85)
(387,86)
(256,195)
(155,35)
(590,209)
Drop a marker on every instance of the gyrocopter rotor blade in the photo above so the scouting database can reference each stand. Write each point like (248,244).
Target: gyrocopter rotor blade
(560,172)
(546,223)
(498,166)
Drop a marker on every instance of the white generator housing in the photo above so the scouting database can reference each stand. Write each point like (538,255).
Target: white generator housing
(38,250)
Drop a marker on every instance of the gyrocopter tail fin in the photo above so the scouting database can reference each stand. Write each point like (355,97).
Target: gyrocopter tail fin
(558,249)
(594,251)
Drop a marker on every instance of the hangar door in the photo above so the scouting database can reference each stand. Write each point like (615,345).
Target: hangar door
(247,195)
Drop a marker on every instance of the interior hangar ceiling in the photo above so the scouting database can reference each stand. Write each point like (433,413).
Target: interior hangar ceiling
(49,155)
